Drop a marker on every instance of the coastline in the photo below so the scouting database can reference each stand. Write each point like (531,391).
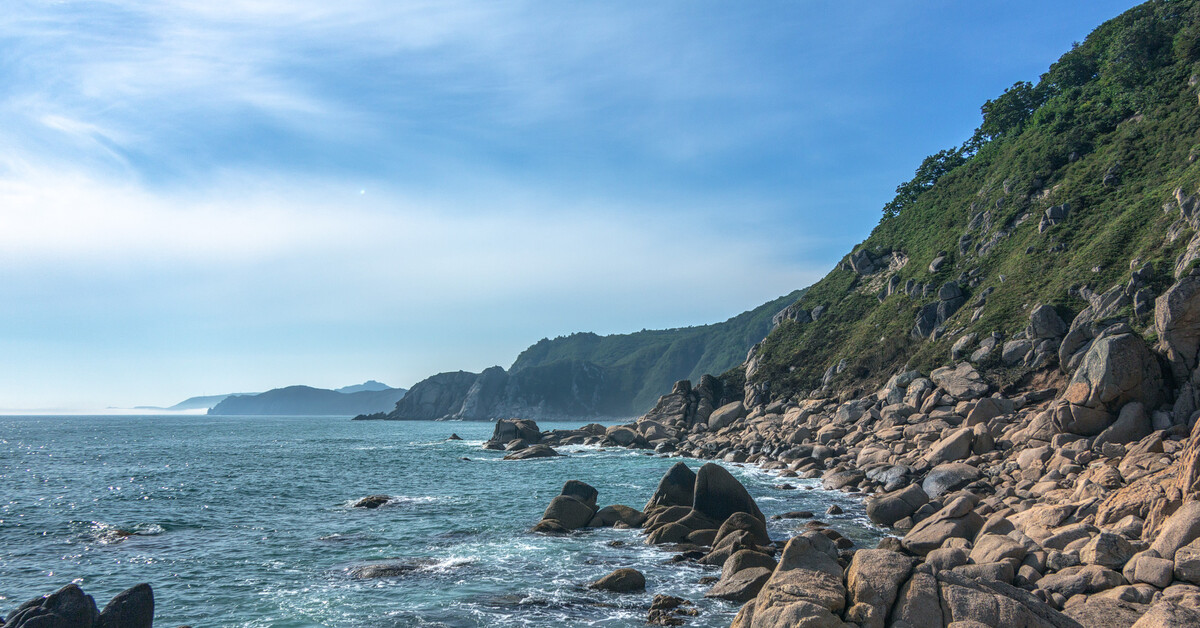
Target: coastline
(1037,502)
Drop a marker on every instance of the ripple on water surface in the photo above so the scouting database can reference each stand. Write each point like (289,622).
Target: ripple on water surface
(248,521)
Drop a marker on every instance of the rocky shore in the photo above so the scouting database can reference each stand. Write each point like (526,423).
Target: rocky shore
(1069,499)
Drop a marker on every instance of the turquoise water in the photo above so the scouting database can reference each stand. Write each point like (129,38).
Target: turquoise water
(245,521)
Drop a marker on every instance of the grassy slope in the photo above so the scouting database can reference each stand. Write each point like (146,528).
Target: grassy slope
(1138,63)
(646,364)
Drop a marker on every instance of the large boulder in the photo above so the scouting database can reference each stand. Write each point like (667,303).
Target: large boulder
(873,580)
(718,494)
(1117,369)
(533,451)
(1101,612)
(805,590)
(621,581)
(992,603)
(512,429)
(1132,425)
(948,477)
(69,607)
(725,415)
(1044,322)
(568,511)
(674,489)
(956,519)
(955,446)
(1177,321)
(1180,529)
(582,491)
(891,507)
(1168,614)
(741,586)
(962,381)
(131,608)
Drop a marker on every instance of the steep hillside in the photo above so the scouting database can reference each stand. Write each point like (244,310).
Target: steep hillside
(305,400)
(585,375)
(1070,188)
(649,362)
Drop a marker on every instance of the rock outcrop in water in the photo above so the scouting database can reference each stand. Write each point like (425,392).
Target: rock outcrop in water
(70,607)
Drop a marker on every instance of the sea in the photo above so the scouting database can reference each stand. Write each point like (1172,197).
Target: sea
(248,521)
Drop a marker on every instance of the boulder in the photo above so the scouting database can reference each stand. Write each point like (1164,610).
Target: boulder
(725,415)
(995,604)
(873,581)
(889,508)
(1187,563)
(131,608)
(956,519)
(1107,550)
(1132,425)
(533,451)
(674,489)
(744,521)
(611,515)
(962,381)
(1081,580)
(1179,530)
(69,607)
(508,430)
(987,409)
(1100,612)
(718,494)
(1014,351)
(993,548)
(621,581)
(1072,418)
(948,477)
(1177,321)
(569,511)
(1044,322)
(741,586)
(955,446)
(804,590)
(918,604)
(581,491)
(1150,569)
(1167,614)
(1116,369)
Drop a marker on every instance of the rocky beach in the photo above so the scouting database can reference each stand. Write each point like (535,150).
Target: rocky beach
(1071,502)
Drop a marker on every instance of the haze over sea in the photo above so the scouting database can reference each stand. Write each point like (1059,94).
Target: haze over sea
(247,521)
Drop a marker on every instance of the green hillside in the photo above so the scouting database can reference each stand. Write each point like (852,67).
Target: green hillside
(1105,137)
(647,363)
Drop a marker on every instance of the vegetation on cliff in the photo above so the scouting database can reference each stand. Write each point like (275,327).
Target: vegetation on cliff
(1067,186)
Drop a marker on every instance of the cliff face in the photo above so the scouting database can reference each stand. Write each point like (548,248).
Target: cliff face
(589,376)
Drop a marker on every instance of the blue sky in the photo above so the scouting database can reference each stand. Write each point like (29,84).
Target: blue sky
(204,197)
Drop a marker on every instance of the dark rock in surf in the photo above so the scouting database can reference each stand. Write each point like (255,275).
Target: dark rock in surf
(718,494)
(675,488)
(131,608)
(372,501)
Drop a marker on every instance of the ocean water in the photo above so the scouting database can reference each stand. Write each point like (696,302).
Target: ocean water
(246,521)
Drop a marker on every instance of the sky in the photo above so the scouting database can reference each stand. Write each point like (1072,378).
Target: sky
(205,197)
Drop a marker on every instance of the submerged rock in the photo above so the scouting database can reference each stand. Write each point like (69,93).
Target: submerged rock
(624,580)
(372,501)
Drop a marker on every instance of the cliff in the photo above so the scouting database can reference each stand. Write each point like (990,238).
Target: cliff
(585,375)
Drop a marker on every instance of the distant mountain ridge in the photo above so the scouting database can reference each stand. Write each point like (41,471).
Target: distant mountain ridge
(585,375)
(306,400)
